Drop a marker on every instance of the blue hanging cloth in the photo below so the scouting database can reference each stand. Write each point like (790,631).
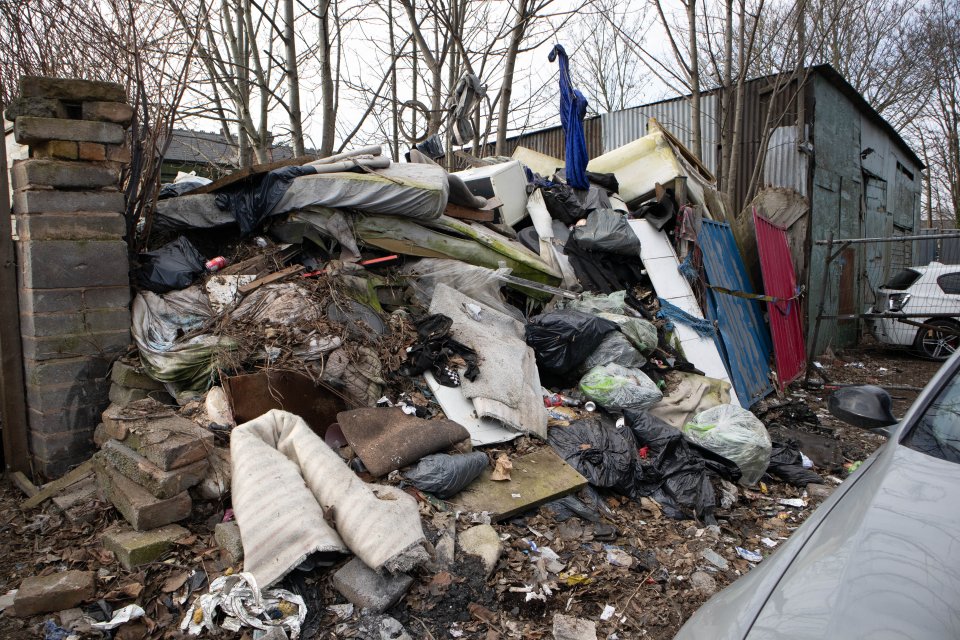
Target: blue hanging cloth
(573,109)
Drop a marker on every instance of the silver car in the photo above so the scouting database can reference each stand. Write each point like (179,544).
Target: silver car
(880,558)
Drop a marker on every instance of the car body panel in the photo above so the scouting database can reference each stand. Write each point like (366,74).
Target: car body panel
(879,556)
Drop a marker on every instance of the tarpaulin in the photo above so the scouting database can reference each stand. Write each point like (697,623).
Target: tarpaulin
(573,109)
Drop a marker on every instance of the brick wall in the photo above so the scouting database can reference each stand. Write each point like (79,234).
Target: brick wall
(73,274)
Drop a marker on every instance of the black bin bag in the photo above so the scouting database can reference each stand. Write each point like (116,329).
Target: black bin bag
(563,339)
(173,266)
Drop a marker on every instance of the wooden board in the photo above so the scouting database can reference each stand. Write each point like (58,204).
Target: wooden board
(463,213)
(256,169)
(273,277)
(23,483)
(537,478)
(51,489)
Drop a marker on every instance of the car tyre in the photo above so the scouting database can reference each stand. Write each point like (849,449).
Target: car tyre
(938,344)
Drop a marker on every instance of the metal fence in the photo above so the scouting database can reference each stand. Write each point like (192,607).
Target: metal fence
(892,289)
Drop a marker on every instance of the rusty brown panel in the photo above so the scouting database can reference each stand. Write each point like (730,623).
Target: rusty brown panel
(847,303)
(252,395)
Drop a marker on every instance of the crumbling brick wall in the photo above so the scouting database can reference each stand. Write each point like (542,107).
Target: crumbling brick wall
(73,273)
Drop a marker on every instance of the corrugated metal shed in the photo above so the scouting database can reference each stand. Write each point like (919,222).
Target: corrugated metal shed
(742,329)
(625,126)
(780,281)
(552,141)
(786,165)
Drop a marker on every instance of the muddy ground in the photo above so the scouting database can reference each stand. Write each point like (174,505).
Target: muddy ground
(650,569)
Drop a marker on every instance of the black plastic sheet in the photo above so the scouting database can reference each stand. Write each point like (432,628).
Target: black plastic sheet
(606,230)
(172,267)
(252,201)
(786,463)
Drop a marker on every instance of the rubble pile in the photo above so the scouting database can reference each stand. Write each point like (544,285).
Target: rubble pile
(379,400)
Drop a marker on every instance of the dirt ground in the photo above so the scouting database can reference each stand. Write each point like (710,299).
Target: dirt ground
(652,571)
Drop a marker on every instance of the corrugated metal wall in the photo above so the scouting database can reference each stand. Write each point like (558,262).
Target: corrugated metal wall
(785,165)
(625,126)
(552,141)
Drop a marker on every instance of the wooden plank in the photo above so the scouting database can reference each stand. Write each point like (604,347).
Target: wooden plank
(51,489)
(536,479)
(242,174)
(13,409)
(273,277)
(463,213)
(23,483)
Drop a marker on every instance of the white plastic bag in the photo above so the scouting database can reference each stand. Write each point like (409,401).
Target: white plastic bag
(737,435)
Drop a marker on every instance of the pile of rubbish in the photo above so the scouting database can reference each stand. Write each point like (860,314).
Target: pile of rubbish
(423,394)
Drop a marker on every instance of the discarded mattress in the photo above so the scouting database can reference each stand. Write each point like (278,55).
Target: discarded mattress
(387,438)
(285,480)
(508,387)
(410,190)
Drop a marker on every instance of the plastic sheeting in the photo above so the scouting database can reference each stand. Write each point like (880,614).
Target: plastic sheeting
(479,283)
(173,266)
(408,190)
(736,434)
(617,388)
(251,202)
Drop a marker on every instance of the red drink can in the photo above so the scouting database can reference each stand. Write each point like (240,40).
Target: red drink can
(216,264)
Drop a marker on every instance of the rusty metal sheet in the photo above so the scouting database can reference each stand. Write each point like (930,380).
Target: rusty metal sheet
(780,281)
(252,395)
(743,332)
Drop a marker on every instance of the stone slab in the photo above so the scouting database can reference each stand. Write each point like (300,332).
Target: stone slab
(73,300)
(76,494)
(78,418)
(71,89)
(71,226)
(55,150)
(133,548)
(162,484)
(105,343)
(65,371)
(122,396)
(62,174)
(536,479)
(30,130)
(367,589)
(138,507)
(227,535)
(165,439)
(65,264)
(61,397)
(36,106)
(134,377)
(55,592)
(571,628)
(49,201)
(44,325)
(117,112)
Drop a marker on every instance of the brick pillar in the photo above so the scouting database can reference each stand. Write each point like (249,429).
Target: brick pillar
(73,272)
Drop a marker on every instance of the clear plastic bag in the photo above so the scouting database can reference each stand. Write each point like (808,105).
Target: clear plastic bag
(611,303)
(640,333)
(615,348)
(446,475)
(737,435)
(479,283)
(617,388)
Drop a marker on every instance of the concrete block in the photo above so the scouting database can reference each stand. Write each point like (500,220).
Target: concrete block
(64,264)
(107,343)
(55,150)
(118,153)
(142,510)
(42,325)
(483,541)
(570,628)
(169,442)
(62,174)
(134,377)
(71,226)
(227,535)
(65,371)
(37,131)
(50,201)
(71,89)
(76,494)
(36,107)
(162,484)
(55,592)
(81,418)
(367,589)
(92,151)
(117,112)
(54,399)
(72,300)
(133,548)
(123,396)
(68,448)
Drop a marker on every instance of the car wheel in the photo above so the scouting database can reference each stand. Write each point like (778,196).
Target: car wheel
(938,342)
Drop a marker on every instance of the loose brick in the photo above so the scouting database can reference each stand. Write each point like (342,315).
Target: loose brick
(76,494)
(136,504)
(55,149)
(37,107)
(118,153)
(134,377)
(169,442)
(63,264)
(50,201)
(88,320)
(62,397)
(62,174)
(133,548)
(106,344)
(118,112)
(35,131)
(162,484)
(122,396)
(92,151)
(227,535)
(71,226)
(65,371)
(71,300)
(71,89)
(367,589)
(55,592)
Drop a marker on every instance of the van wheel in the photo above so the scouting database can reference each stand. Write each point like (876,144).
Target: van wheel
(938,343)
